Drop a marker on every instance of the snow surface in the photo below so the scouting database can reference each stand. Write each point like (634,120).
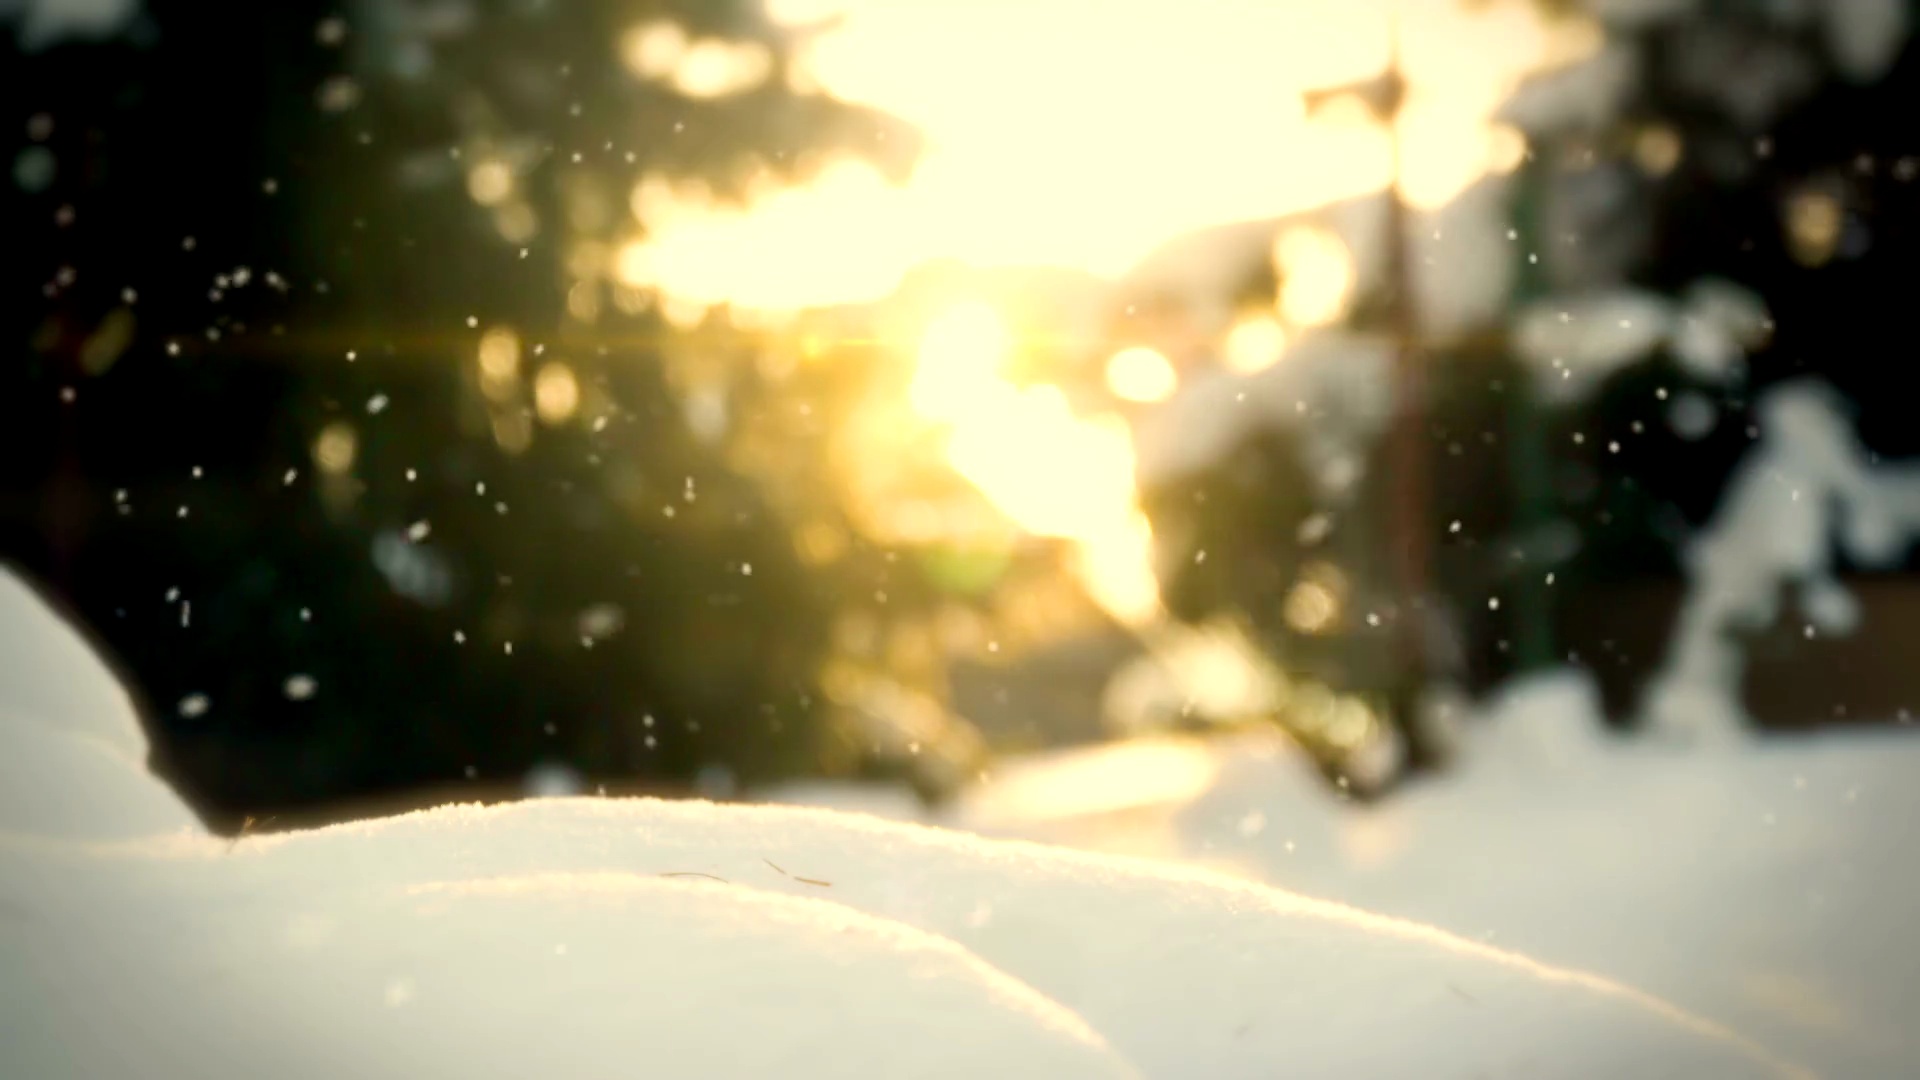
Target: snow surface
(580,937)
(69,728)
(340,961)
(51,676)
(1769,886)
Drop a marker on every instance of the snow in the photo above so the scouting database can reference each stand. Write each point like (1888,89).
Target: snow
(1584,96)
(1753,68)
(1719,324)
(1458,254)
(70,727)
(592,937)
(1335,378)
(53,784)
(50,675)
(75,761)
(1461,260)
(1577,341)
(1459,257)
(1865,36)
(1768,886)
(339,963)
(873,963)
(1807,482)
(1332,378)
(45,23)
(1210,672)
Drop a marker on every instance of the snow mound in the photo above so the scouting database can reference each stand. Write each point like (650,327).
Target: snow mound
(1184,973)
(49,674)
(75,752)
(1539,726)
(54,784)
(166,968)
(596,937)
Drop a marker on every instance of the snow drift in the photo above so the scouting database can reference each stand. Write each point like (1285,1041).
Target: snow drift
(598,937)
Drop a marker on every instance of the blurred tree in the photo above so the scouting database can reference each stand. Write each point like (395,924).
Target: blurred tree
(332,419)
(1717,198)
(1740,177)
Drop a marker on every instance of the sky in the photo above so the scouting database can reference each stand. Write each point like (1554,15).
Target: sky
(1083,133)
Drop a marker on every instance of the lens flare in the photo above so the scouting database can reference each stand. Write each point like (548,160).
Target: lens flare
(1052,472)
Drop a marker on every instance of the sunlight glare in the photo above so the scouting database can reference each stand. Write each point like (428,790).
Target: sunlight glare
(844,238)
(1051,472)
(1110,779)
(1141,374)
(1105,130)
(958,371)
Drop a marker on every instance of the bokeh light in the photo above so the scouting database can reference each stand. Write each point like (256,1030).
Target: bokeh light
(1253,344)
(1141,374)
(556,393)
(1316,276)
(335,448)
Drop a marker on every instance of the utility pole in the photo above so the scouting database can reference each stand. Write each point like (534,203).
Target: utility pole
(1534,644)
(1407,489)
(1407,452)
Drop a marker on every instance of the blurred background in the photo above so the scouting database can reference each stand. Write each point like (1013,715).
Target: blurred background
(488,397)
